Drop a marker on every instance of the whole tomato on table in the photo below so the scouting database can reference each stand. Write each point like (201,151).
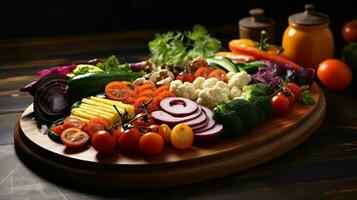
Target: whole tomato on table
(349,31)
(334,74)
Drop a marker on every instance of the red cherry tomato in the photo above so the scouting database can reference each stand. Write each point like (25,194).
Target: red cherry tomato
(129,140)
(70,122)
(290,96)
(104,142)
(57,129)
(349,31)
(280,104)
(185,77)
(74,137)
(294,89)
(144,121)
(96,124)
(151,144)
(334,74)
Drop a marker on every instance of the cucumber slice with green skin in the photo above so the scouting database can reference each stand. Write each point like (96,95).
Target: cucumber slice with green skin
(221,63)
(52,135)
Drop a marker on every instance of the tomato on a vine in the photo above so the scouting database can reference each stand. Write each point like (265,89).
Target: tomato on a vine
(128,140)
(104,142)
(280,104)
(143,120)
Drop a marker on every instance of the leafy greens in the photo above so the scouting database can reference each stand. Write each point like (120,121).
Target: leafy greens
(177,48)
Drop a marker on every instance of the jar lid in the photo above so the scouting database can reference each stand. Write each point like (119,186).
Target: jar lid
(309,17)
(256,20)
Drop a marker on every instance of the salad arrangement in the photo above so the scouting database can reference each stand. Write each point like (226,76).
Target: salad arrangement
(188,92)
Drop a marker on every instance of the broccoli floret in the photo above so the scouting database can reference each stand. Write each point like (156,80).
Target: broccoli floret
(261,115)
(245,110)
(263,103)
(253,90)
(232,123)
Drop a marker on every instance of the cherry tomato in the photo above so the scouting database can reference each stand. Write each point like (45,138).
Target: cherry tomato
(151,143)
(129,140)
(203,72)
(334,74)
(147,93)
(219,74)
(104,142)
(280,104)
(141,100)
(117,91)
(96,124)
(167,133)
(161,131)
(294,89)
(182,136)
(185,77)
(69,122)
(143,121)
(290,96)
(57,129)
(74,137)
(349,31)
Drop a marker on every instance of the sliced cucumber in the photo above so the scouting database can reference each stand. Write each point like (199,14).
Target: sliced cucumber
(222,63)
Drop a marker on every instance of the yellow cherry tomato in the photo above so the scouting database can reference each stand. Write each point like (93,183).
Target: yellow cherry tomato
(182,136)
(166,133)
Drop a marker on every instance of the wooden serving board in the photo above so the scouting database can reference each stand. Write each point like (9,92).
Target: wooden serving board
(172,167)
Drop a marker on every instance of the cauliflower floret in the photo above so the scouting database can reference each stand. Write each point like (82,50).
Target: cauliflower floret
(230,74)
(240,80)
(182,91)
(235,92)
(198,83)
(220,95)
(205,98)
(174,85)
(209,83)
(191,91)
(223,86)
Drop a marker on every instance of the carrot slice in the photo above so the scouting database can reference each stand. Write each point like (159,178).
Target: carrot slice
(147,93)
(161,89)
(147,85)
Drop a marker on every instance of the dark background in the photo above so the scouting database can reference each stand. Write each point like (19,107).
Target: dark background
(23,18)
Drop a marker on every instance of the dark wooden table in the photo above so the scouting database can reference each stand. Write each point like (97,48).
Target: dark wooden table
(323,167)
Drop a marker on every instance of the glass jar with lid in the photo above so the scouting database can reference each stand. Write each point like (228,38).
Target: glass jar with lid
(308,40)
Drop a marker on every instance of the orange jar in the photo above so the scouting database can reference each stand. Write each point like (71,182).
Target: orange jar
(308,40)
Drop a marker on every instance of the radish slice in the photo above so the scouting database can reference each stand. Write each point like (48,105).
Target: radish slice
(209,135)
(197,121)
(178,106)
(166,118)
(210,122)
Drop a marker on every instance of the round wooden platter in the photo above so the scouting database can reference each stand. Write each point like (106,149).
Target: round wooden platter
(172,167)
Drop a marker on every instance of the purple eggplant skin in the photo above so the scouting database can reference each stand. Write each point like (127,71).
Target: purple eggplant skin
(50,101)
